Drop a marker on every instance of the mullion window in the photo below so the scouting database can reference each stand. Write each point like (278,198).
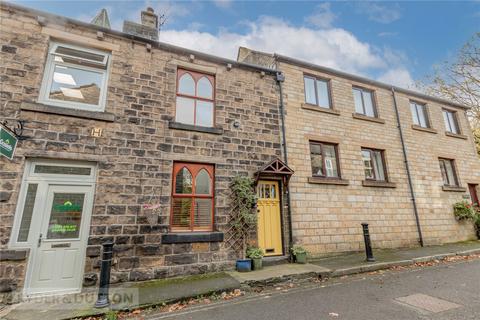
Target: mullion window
(451,123)
(447,168)
(317,89)
(419,114)
(361,106)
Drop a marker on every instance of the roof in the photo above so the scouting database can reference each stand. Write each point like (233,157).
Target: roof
(155,44)
(367,81)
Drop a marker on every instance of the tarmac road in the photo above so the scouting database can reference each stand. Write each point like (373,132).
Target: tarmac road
(443,292)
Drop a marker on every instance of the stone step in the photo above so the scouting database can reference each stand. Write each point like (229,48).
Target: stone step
(276,260)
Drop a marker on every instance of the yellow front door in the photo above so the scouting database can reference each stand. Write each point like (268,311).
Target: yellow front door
(269,223)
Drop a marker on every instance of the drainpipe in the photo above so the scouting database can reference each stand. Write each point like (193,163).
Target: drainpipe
(280,77)
(407,167)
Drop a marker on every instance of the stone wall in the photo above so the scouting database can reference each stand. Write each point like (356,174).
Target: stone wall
(327,218)
(137,148)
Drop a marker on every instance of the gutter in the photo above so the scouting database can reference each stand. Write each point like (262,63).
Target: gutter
(280,77)
(59,20)
(367,81)
(407,167)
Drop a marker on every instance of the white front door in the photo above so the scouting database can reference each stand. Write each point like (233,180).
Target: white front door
(59,253)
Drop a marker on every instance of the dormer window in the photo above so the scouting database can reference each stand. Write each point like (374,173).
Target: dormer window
(75,77)
(195,99)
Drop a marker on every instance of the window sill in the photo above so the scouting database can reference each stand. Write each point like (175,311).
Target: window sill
(316,108)
(189,127)
(45,108)
(454,189)
(367,118)
(378,184)
(420,128)
(190,237)
(13,254)
(318,180)
(456,135)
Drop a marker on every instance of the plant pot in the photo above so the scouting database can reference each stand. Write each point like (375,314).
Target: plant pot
(257,264)
(244,265)
(301,258)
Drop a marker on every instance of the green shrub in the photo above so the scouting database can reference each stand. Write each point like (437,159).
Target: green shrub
(111,315)
(296,249)
(464,210)
(255,253)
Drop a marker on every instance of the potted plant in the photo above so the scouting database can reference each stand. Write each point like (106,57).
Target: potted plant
(243,218)
(299,253)
(256,254)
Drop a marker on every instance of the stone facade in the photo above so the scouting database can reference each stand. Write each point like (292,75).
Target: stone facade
(327,217)
(138,144)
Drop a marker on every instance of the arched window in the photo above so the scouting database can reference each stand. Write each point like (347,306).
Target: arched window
(195,99)
(192,197)
(186,84)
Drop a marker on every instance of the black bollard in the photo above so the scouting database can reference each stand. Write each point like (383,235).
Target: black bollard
(368,244)
(102,299)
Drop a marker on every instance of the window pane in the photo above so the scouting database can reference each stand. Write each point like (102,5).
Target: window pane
(204,88)
(368,101)
(81,171)
(203,213)
(330,161)
(453,122)
(182,207)
(183,182)
(450,173)
(413,109)
(357,96)
(202,182)
(317,165)
(27,212)
(422,115)
(80,54)
(77,85)
(378,166)
(185,110)
(447,121)
(186,84)
(367,163)
(323,94)
(65,216)
(444,172)
(204,114)
(309,90)
(316,159)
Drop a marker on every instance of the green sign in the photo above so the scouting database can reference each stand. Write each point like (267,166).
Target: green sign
(68,206)
(8,142)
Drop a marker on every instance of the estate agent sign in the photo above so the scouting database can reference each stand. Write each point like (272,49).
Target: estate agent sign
(8,142)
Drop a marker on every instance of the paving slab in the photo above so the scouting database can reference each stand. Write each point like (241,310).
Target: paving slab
(123,296)
(385,258)
(270,273)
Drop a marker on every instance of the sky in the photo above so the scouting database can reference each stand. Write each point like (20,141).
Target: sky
(397,42)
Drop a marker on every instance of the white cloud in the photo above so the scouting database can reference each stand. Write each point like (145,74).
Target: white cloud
(336,48)
(223,3)
(398,76)
(379,13)
(323,16)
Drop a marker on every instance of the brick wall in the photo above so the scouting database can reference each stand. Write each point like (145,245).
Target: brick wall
(136,151)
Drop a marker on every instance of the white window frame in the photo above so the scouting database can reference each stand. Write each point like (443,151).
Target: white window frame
(364,108)
(415,108)
(43,180)
(451,122)
(48,78)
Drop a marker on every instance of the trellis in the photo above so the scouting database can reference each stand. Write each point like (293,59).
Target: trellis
(242,215)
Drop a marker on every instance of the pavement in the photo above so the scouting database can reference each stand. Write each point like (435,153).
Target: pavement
(127,296)
(441,292)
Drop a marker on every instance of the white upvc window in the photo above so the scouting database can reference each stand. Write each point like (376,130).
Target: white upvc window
(419,114)
(451,123)
(75,77)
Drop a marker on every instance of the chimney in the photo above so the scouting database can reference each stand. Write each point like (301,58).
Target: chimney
(147,29)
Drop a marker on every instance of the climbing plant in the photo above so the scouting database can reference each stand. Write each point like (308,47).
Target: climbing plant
(243,218)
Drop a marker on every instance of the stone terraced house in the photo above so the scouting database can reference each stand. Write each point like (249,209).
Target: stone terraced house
(126,140)
(130,140)
(353,164)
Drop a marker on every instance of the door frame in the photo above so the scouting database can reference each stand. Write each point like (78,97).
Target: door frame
(280,197)
(44,180)
(474,186)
